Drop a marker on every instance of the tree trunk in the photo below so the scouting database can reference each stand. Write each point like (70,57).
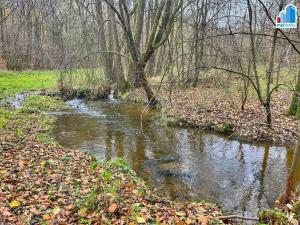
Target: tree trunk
(294,107)
(132,78)
(139,72)
(118,67)
(38,44)
(244,93)
(151,66)
(290,183)
(159,63)
(149,23)
(29,38)
(105,58)
(284,198)
(2,45)
(268,112)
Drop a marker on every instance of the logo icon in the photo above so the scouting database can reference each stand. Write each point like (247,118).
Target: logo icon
(287,18)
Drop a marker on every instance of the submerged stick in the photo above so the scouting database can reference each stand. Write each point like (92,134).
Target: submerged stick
(237,217)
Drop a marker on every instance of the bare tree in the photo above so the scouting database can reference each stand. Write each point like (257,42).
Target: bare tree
(160,31)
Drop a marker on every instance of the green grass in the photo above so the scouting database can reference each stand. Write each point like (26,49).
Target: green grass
(42,103)
(12,82)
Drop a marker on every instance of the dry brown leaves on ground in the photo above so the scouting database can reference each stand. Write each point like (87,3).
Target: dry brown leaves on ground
(212,109)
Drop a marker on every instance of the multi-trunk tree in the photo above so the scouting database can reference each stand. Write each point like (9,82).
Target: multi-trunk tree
(294,109)
(132,22)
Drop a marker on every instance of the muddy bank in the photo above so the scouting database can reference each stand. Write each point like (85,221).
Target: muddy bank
(211,109)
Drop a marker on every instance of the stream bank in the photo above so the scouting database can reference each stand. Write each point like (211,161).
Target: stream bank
(212,109)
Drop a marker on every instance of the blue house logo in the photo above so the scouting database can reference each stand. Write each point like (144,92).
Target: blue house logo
(287,18)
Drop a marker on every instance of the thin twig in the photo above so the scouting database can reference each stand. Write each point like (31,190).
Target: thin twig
(237,217)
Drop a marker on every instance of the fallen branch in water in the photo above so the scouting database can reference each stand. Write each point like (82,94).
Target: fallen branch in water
(237,217)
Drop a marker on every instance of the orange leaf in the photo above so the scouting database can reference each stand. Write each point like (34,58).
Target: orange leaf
(137,193)
(203,220)
(112,208)
(46,217)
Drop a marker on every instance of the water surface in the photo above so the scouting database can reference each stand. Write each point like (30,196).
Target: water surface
(185,164)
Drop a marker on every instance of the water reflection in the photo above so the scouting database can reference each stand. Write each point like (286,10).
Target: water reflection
(183,163)
(296,177)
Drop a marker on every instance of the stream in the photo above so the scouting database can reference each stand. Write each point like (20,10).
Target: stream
(185,164)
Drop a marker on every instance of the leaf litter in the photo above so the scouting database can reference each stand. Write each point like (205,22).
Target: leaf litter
(211,108)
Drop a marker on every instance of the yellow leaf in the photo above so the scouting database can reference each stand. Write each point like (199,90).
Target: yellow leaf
(140,219)
(3,171)
(180,213)
(82,212)
(56,210)
(43,163)
(14,204)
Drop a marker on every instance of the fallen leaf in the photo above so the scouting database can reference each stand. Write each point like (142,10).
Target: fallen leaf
(112,208)
(43,163)
(132,223)
(56,210)
(203,220)
(189,221)
(35,211)
(180,223)
(14,204)
(82,212)
(140,219)
(69,207)
(46,217)
(180,213)
(21,163)
(137,193)
(3,171)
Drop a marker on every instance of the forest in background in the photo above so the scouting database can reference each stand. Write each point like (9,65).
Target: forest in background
(124,43)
